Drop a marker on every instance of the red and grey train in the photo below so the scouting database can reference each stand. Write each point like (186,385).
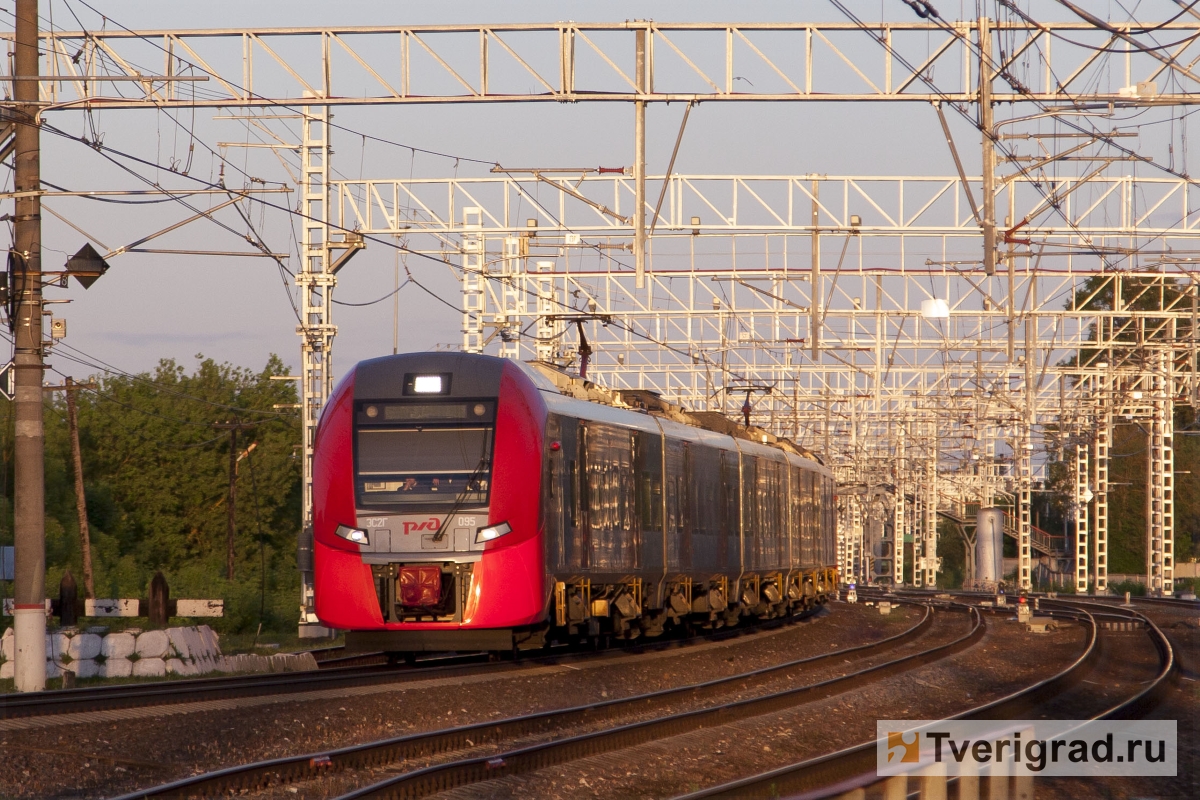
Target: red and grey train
(464,502)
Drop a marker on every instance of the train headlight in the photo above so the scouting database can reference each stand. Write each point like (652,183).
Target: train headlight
(492,532)
(427,384)
(356,535)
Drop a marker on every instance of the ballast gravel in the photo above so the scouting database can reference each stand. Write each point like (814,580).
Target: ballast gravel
(110,758)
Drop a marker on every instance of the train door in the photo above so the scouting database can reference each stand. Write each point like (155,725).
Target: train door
(678,492)
(808,523)
(750,508)
(554,508)
(795,516)
(648,478)
(583,501)
(729,533)
(572,553)
(705,509)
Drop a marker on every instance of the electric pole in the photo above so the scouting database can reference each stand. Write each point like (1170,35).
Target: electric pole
(989,147)
(231,502)
(85,538)
(29,588)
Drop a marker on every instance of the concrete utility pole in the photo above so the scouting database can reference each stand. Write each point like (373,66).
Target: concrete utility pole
(29,589)
(85,539)
(231,501)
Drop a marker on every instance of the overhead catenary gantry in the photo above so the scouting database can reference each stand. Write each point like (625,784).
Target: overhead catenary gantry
(870,317)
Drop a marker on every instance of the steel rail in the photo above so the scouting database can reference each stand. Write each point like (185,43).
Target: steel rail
(441,777)
(173,692)
(1152,693)
(372,754)
(855,767)
(346,670)
(1045,596)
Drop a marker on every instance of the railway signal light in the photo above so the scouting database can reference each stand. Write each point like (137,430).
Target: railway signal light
(87,266)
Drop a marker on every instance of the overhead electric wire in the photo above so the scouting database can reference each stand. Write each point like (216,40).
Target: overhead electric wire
(373,302)
(275,103)
(1094,132)
(446,262)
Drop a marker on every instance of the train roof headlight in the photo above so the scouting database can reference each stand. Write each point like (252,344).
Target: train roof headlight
(356,535)
(427,384)
(492,532)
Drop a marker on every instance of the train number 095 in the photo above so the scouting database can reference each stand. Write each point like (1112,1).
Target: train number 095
(466,522)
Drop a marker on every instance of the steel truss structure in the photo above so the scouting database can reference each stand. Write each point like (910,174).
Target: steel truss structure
(942,339)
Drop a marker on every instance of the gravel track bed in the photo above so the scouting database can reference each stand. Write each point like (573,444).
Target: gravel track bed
(1007,660)
(106,759)
(945,628)
(1182,704)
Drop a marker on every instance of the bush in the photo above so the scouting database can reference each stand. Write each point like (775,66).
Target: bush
(1133,587)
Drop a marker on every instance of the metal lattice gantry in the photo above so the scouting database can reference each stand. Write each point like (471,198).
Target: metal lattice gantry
(940,338)
(596,62)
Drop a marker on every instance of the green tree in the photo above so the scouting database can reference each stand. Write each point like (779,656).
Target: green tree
(156,478)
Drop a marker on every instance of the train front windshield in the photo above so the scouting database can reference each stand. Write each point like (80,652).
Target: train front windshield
(420,454)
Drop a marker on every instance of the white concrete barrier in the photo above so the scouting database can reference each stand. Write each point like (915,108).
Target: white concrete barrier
(84,646)
(149,668)
(116,668)
(117,645)
(176,651)
(153,644)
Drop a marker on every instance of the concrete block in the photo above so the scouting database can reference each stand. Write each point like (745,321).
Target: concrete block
(194,642)
(212,642)
(179,641)
(8,645)
(116,668)
(84,668)
(57,645)
(53,670)
(118,645)
(153,644)
(248,662)
(149,667)
(305,662)
(7,671)
(84,646)
(177,666)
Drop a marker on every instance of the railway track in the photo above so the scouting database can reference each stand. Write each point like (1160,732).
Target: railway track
(332,672)
(854,768)
(335,670)
(472,768)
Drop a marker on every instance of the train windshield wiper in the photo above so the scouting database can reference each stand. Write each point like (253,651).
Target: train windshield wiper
(461,497)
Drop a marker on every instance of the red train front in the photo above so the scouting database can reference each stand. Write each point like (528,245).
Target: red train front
(425,487)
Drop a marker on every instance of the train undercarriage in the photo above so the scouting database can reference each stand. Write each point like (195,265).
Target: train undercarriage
(584,610)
